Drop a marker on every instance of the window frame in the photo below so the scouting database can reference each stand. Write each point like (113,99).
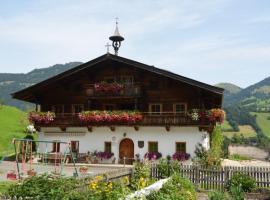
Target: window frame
(150,143)
(177,143)
(56,146)
(155,113)
(180,103)
(76,147)
(105,146)
(73,108)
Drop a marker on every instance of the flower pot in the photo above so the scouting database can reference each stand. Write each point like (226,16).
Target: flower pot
(83,170)
(31,173)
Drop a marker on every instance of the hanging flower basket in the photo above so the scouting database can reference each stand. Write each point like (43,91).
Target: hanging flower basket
(108,88)
(41,117)
(129,117)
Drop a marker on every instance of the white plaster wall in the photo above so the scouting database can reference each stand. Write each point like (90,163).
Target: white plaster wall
(91,141)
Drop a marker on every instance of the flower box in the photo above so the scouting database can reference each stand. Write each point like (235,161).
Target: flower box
(152,155)
(108,88)
(130,117)
(180,156)
(41,117)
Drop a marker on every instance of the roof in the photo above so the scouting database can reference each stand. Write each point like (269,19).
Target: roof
(109,56)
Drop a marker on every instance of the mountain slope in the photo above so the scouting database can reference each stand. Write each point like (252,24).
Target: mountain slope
(254,97)
(12,124)
(10,83)
(229,88)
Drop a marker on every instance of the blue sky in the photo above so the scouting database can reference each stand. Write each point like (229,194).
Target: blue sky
(211,40)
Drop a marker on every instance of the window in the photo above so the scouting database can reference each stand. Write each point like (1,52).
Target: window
(77,108)
(109,79)
(180,108)
(58,109)
(56,147)
(109,107)
(75,146)
(152,146)
(127,80)
(108,147)
(155,108)
(180,147)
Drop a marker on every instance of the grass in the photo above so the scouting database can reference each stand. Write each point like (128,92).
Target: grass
(12,124)
(4,185)
(226,126)
(238,157)
(246,130)
(263,122)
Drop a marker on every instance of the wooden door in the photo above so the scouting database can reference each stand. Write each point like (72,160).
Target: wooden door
(126,149)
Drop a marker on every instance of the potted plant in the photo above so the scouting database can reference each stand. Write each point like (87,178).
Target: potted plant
(105,157)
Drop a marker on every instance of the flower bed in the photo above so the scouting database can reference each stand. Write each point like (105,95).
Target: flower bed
(108,88)
(180,156)
(214,115)
(152,155)
(131,117)
(41,117)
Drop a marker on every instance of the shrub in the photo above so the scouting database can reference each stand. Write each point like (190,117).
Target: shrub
(244,182)
(176,188)
(217,195)
(141,176)
(167,167)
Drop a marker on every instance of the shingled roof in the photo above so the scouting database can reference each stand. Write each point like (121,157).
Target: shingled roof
(108,56)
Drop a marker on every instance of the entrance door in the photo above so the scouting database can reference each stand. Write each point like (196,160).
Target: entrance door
(126,149)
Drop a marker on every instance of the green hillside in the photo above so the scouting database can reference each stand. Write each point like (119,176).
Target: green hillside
(229,87)
(263,121)
(12,124)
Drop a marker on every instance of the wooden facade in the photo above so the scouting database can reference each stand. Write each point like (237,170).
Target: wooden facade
(161,96)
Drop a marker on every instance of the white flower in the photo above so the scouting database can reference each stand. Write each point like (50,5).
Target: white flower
(31,129)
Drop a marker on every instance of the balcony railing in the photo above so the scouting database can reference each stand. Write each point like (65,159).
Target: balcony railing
(149,119)
(126,90)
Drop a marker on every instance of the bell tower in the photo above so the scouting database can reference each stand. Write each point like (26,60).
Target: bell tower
(116,38)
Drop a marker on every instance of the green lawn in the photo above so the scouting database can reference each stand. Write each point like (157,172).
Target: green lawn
(246,130)
(12,124)
(263,122)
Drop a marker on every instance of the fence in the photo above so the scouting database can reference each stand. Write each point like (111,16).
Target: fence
(217,178)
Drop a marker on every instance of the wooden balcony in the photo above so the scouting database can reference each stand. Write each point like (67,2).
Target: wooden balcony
(149,119)
(127,90)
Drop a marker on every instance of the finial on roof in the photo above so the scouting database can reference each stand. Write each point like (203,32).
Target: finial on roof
(108,47)
(116,38)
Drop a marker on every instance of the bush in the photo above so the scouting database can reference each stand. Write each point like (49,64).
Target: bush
(217,195)
(176,188)
(141,176)
(241,182)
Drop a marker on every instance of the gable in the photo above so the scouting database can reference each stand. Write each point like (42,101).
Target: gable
(30,94)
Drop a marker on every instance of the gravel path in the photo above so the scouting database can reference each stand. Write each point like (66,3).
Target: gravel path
(248,163)
(6,166)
